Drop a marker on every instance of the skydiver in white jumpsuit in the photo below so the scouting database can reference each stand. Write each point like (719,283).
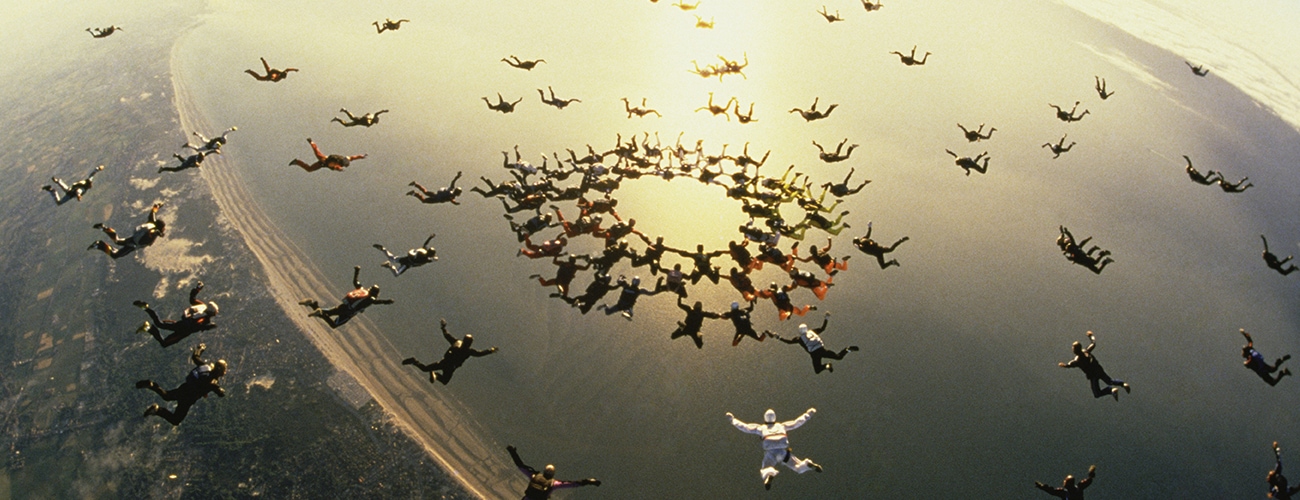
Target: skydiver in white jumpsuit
(776,446)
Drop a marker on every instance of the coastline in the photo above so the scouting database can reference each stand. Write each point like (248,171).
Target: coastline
(440,424)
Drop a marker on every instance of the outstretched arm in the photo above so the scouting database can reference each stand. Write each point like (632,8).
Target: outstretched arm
(356,276)
(445,334)
(196,355)
(1092,342)
(1249,341)
(479,354)
(744,427)
(1092,473)
(427,240)
(194,294)
(514,455)
(825,321)
(794,424)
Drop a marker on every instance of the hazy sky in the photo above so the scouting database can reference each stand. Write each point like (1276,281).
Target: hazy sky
(1251,44)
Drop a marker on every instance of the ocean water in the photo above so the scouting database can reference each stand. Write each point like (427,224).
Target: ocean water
(956,383)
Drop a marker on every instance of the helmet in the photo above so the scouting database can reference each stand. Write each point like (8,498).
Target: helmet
(469,339)
(803,330)
(549,472)
(219,368)
(212,309)
(735,305)
(769,416)
(636,280)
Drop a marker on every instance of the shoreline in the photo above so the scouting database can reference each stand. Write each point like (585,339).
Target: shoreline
(441,425)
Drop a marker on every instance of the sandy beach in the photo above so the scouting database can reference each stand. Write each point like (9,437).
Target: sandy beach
(439,422)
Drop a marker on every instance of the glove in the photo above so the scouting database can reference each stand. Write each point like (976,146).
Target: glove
(590,481)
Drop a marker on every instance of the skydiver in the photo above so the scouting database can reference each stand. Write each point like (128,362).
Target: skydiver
(566,272)
(694,321)
(103,32)
(703,263)
(975,135)
(967,163)
(333,162)
(443,195)
(910,60)
(739,253)
(522,64)
(812,113)
(76,190)
(1084,360)
(1074,252)
(548,248)
(531,226)
(781,299)
(822,256)
(1274,263)
(611,255)
(354,303)
(365,120)
(204,378)
(769,253)
(532,201)
(842,189)
(652,254)
(456,354)
(870,6)
(827,15)
(874,249)
(414,257)
(196,318)
(641,111)
(741,320)
(1229,187)
(1101,88)
(1068,116)
(799,277)
(389,25)
(145,234)
(742,283)
(810,339)
(814,218)
(715,109)
(540,484)
(1059,147)
(599,287)
(272,75)
(834,157)
(553,101)
(502,105)
(776,444)
(1197,70)
(1070,490)
(1209,178)
(745,118)
(627,297)
(1255,362)
(1278,489)
(193,161)
(213,144)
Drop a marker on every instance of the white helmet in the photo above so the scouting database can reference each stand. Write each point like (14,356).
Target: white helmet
(803,330)
(769,416)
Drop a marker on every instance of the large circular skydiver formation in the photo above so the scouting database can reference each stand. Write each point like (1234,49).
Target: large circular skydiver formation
(761,198)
